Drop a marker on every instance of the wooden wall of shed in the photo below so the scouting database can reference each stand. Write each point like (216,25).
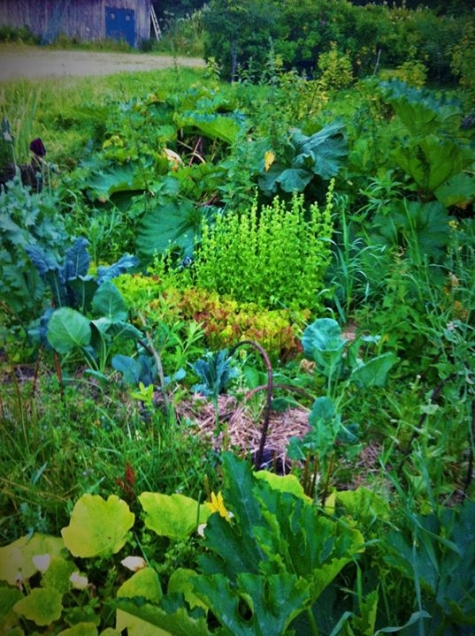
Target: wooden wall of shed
(84,19)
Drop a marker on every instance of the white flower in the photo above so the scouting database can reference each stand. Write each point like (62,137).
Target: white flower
(134,563)
(42,561)
(78,582)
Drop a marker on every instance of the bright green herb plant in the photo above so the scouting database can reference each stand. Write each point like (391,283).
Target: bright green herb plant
(275,256)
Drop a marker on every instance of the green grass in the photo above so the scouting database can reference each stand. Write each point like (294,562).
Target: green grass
(53,449)
(70,113)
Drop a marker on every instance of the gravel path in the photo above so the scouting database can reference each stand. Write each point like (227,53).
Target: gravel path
(32,62)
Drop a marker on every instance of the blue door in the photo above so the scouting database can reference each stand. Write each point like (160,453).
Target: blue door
(120,24)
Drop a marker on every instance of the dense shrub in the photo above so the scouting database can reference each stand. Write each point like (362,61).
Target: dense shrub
(372,36)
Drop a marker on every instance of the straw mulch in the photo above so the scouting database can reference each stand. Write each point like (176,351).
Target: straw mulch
(239,425)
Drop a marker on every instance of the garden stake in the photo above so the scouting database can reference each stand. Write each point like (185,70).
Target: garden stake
(265,426)
(59,374)
(149,346)
(37,369)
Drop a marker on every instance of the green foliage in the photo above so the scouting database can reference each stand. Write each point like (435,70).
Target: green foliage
(429,156)
(237,34)
(215,372)
(69,279)
(463,57)
(301,32)
(234,564)
(304,158)
(437,551)
(335,68)
(257,255)
(69,330)
(408,267)
(421,229)
(28,220)
(22,34)
(223,321)
(337,358)
(92,512)
(175,516)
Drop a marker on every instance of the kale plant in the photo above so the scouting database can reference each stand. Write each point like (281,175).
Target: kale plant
(27,220)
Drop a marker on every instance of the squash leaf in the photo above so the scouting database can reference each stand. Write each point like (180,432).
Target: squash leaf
(270,603)
(214,126)
(175,516)
(16,559)
(98,527)
(288,534)
(43,606)
(177,622)
(102,184)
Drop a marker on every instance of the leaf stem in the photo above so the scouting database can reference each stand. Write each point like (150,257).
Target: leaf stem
(312,622)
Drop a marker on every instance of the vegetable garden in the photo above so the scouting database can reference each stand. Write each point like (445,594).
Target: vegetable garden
(237,338)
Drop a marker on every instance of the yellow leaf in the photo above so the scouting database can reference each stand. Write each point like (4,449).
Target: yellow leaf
(269,158)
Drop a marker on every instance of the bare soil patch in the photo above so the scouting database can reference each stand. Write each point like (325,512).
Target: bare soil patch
(35,62)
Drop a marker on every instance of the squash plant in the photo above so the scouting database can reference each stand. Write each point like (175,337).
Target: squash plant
(267,554)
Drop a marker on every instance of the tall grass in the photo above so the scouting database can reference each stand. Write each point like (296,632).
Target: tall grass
(93,440)
(70,113)
(18,107)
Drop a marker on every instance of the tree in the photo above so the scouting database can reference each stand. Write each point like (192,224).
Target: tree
(240,32)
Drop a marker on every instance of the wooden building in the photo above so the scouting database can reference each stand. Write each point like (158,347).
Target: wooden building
(127,20)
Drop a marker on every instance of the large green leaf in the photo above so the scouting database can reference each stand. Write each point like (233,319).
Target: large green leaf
(324,334)
(320,154)
(235,550)
(16,559)
(215,126)
(270,603)
(459,190)
(175,623)
(98,527)
(108,302)
(431,160)
(182,581)
(175,516)
(43,606)
(420,111)
(325,149)
(102,184)
(375,371)
(273,532)
(68,329)
(168,225)
(421,228)
(144,584)
(294,179)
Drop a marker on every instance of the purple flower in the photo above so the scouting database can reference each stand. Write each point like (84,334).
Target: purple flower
(37,147)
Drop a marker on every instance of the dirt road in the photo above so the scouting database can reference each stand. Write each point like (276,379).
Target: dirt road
(32,62)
